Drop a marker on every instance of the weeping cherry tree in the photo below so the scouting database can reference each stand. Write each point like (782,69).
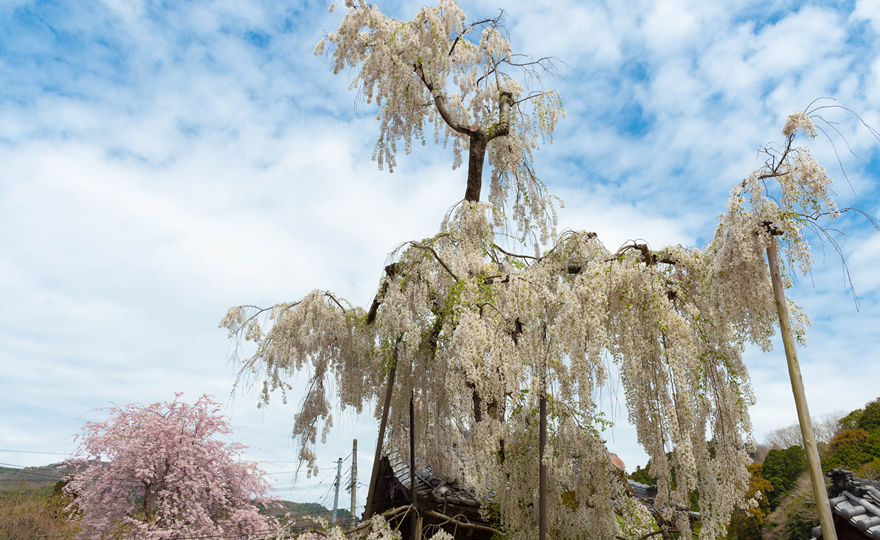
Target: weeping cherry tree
(478,334)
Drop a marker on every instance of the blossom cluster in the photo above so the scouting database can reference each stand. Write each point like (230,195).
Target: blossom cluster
(434,74)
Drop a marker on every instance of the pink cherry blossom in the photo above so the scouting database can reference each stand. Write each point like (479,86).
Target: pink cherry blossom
(162,471)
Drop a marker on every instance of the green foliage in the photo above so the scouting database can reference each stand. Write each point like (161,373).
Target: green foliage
(27,512)
(12,479)
(870,418)
(872,444)
(746,524)
(870,470)
(851,421)
(782,468)
(643,476)
(858,446)
(847,450)
(799,527)
(796,515)
(279,508)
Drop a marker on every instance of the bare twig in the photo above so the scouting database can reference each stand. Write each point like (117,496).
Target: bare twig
(465,524)
(494,22)
(436,256)
(386,515)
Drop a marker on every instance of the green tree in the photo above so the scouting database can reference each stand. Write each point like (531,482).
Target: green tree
(872,444)
(746,524)
(870,470)
(796,515)
(28,513)
(782,468)
(869,420)
(643,475)
(847,450)
(851,421)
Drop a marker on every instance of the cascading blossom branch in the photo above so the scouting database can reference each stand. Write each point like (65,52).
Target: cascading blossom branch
(803,195)
(478,334)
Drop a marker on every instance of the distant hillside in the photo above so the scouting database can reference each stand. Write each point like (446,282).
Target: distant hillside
(300,510)
(43,479)
(32,477)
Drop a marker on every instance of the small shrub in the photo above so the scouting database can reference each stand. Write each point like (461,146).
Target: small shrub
(32,513)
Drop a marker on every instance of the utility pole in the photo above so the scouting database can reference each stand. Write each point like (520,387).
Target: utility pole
(354,480)
(800,398)
(338,481)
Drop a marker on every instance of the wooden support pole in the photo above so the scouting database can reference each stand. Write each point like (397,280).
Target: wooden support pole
(371,491)
(542,472)
(800,398)
(416,519)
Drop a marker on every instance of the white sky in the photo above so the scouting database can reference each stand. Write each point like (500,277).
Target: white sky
(163,163)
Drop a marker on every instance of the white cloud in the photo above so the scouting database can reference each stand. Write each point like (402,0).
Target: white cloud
(868,10)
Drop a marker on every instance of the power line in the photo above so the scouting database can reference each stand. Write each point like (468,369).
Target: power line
(71,454)
(31,476)
(316,485)
(295,488)
(32,452)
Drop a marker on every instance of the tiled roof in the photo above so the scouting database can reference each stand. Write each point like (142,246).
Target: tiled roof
(643,491)
(856,500)
(429,487)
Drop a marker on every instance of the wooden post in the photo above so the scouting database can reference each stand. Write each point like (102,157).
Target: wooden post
(800,398)
(542,471)
(368,510)
(416,519)
(354,479)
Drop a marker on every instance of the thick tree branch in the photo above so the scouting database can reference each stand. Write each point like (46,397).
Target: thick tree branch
(390,270)
(460,523)
(509,254)
(440,102)
(502,128)
(479,141)
(649,257)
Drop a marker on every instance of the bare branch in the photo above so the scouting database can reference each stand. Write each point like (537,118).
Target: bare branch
(465,524)
(530,96)
(494,22)
(834,147)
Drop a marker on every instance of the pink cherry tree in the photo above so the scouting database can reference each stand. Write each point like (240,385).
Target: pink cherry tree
(162,471)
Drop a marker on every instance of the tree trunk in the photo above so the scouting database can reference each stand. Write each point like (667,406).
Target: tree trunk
(476,157)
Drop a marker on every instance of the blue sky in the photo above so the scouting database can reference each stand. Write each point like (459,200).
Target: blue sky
(162,162)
